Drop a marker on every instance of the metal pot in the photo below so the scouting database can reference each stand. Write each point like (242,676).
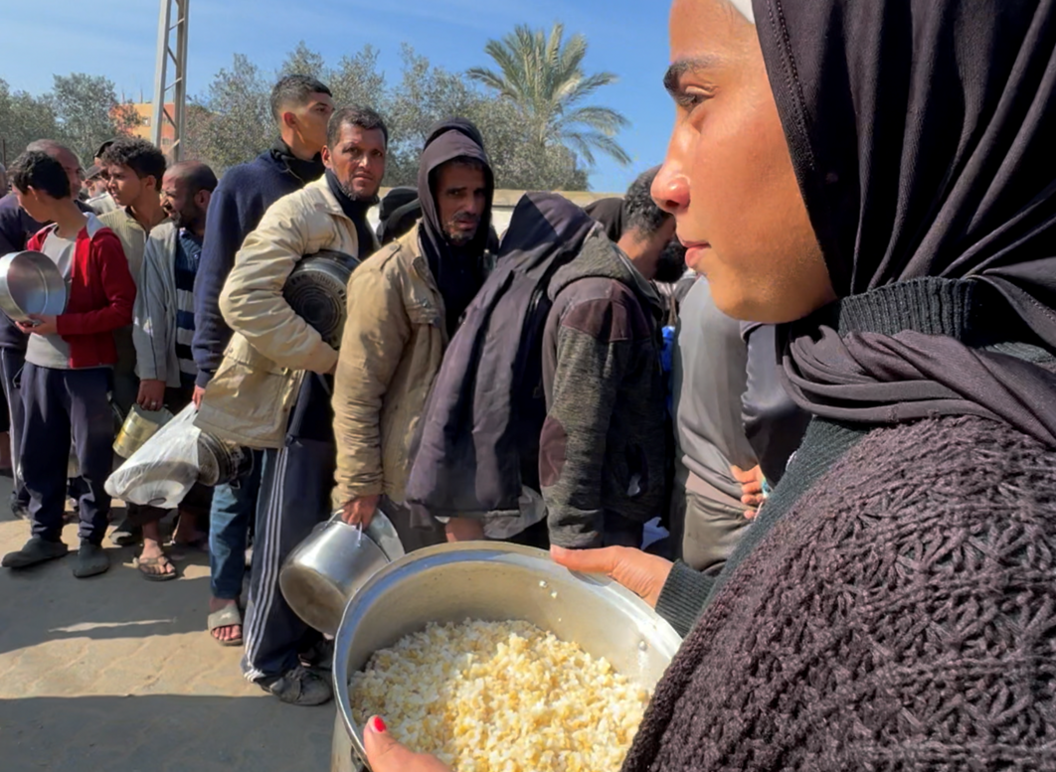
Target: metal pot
(325,570)
(493,581)
(316,291)
(138,427)
(31,283)
(220,461)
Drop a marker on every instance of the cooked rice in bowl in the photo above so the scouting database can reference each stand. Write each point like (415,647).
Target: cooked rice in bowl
(489,696)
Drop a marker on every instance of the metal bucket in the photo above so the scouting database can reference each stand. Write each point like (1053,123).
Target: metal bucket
(139,426)
(325,570)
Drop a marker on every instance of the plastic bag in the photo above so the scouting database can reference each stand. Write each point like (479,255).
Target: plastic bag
(161,472)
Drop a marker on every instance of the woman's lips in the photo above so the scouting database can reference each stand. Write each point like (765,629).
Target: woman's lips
(694,254)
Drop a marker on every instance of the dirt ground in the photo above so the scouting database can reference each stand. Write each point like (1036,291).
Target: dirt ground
(117,673)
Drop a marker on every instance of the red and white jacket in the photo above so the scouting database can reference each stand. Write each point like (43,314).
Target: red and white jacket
(102,293)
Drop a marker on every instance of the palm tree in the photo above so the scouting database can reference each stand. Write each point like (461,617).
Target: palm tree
(542,75)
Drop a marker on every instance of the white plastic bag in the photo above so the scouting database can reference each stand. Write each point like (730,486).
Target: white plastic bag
(161,472)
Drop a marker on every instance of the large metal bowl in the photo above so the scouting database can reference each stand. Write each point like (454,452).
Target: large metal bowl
(30,283)
(493,581)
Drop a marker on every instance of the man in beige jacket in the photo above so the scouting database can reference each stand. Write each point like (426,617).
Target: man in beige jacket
(272,390)
(404,304)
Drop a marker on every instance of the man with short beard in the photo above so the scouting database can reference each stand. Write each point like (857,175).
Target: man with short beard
(272,389)
(162,329)
(404,304)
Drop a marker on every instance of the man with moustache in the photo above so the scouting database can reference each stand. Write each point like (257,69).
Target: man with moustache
(404,304)
(272,389)
(162,329)
(301,107)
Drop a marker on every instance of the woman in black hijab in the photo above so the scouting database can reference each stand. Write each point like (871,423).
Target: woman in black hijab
(874,176)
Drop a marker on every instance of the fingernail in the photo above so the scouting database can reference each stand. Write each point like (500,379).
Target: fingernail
(377,725)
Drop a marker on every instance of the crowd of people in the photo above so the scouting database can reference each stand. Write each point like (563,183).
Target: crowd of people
(817,344)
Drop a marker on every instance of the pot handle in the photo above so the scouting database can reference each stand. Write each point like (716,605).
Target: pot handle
(381,531)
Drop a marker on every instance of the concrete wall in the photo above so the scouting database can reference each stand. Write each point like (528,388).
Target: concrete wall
(506,200)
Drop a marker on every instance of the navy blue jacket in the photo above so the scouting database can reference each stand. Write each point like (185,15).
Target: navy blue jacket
(239,201)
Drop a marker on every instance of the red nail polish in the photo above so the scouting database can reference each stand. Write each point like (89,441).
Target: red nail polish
(377,725)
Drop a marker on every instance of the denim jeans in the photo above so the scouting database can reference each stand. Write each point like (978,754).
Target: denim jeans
(232,513)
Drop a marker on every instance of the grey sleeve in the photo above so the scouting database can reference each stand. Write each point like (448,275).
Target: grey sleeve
(773,423)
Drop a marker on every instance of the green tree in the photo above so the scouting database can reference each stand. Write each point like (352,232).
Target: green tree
(23,119)
(542,76)
(88,112)
(232,123)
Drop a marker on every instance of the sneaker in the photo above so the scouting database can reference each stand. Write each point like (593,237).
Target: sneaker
(299,686)
(37,550)
(91,560)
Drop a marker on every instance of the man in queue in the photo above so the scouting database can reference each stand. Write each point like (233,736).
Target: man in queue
(404,305)
(272,389)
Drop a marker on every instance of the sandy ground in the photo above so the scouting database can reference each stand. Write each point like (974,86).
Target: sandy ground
(116,673)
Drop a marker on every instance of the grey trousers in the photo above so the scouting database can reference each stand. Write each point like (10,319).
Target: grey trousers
(704,531)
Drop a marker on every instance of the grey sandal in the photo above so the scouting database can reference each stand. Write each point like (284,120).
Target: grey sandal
(228,616)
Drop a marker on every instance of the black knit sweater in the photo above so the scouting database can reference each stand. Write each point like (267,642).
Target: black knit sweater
(894,607)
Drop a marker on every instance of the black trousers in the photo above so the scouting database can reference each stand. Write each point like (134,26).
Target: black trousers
(60,406)
(294,497)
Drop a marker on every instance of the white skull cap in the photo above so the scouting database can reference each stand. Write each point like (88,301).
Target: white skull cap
(745,8)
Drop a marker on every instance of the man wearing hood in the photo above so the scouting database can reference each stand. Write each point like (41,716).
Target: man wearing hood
(404,304)
(272,389)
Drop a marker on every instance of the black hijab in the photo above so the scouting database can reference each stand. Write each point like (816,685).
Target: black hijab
(921,134)
(459,271)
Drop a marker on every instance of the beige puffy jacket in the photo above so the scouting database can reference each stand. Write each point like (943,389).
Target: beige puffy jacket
(393,343)
(249,399)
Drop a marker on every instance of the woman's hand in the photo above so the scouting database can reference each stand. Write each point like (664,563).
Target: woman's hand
(641,573)
(386,755)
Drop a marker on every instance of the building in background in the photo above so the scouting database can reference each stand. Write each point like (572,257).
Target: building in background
(144,128)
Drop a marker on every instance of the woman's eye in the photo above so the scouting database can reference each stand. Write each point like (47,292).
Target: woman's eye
(687,100)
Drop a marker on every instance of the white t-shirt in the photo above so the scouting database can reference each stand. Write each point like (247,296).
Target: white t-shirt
(51,350)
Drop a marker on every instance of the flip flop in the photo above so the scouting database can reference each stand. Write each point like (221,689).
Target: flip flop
(156,563)
(225,617)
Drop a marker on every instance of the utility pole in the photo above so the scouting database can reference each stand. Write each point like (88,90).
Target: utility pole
(172,48)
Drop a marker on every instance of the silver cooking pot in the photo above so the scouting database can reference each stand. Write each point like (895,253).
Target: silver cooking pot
(316,291)
(492,581)
(325,570)
(31,283)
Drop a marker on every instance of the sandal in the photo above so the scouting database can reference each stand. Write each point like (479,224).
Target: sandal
(228,616)
(159,562)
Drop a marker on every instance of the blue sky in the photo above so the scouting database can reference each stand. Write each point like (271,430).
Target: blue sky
(117,38)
